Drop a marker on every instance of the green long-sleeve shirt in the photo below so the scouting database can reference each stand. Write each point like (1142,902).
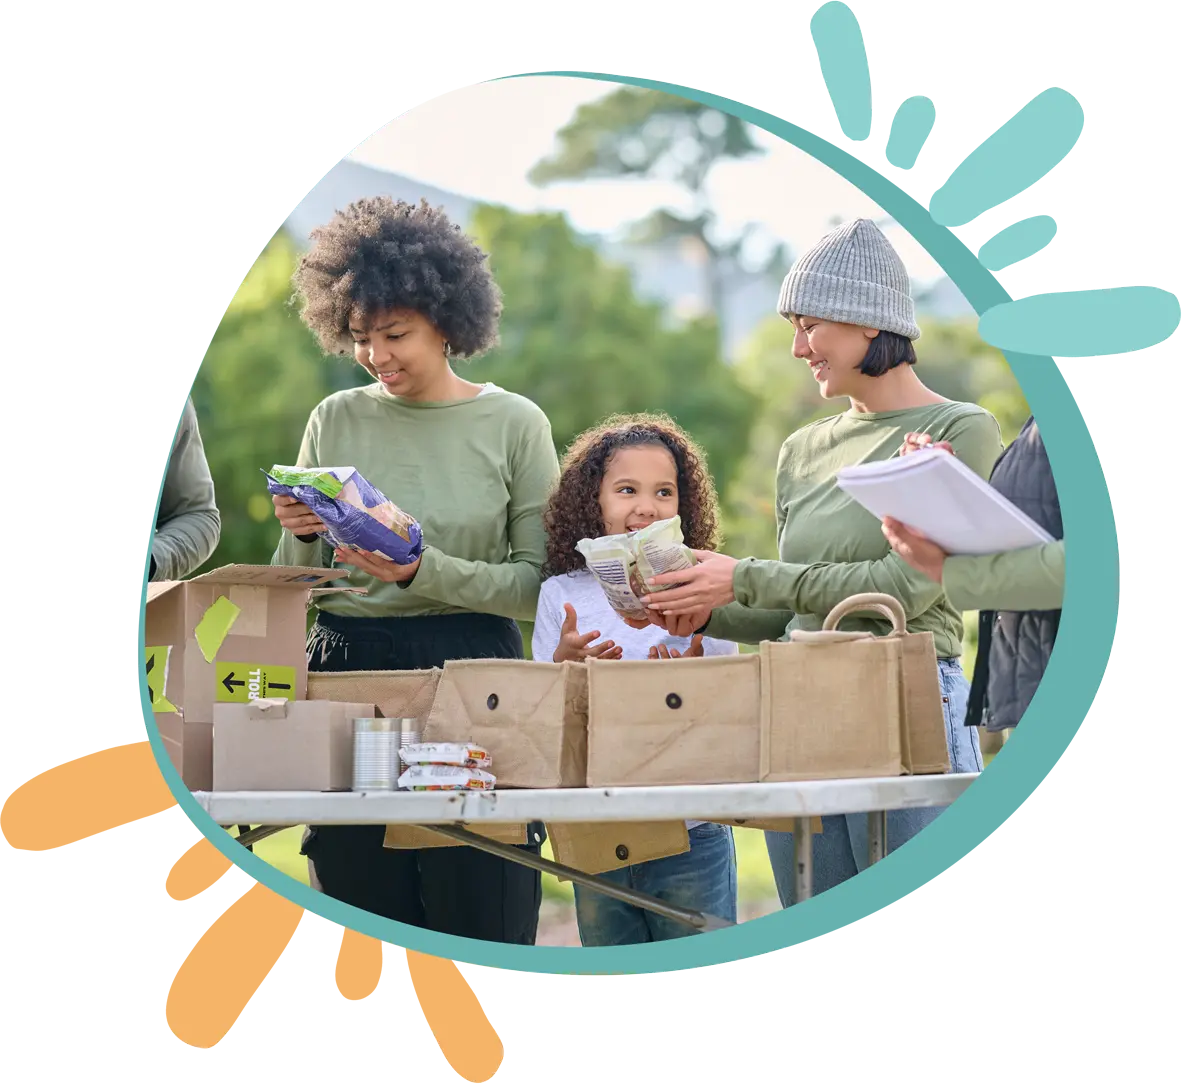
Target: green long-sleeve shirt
(476,474)
(1025,579)
(831,547)
(188,525)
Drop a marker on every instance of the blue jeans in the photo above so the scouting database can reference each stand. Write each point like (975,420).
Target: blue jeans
(843,849)
(702,879)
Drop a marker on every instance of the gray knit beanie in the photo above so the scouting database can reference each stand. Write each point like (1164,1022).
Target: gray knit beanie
(852,276)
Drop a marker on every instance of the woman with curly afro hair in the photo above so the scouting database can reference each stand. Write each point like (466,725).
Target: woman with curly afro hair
(407,293)
(618,477)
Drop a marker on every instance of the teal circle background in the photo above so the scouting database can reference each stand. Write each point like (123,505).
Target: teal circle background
(1024,859)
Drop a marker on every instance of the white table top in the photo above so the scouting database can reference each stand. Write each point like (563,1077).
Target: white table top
(729,801)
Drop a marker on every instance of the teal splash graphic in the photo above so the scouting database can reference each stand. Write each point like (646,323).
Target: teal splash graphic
(1018,241)
(1086,323)
(915,121)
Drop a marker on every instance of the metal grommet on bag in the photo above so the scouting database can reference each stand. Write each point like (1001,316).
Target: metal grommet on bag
(492,701)
(621,852)
(673,701)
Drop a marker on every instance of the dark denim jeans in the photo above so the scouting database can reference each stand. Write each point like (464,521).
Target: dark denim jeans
(702,879)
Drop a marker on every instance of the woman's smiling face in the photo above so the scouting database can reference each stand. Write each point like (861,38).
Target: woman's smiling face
(400,348)
(833,352)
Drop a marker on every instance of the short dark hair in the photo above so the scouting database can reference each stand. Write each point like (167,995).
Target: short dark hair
(887,350)
(378,254)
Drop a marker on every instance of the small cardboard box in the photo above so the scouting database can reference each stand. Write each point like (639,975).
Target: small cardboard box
(283,745)
(230,636)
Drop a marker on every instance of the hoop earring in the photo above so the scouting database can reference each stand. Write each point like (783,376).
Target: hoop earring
(447,350)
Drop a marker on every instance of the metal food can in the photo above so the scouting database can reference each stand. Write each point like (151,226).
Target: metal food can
(376,763)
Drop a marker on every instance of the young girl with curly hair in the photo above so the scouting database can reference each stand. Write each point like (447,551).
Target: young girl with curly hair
(403,290)
(618,477)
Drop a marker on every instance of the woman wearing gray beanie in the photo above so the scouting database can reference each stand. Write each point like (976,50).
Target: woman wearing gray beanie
(849,300)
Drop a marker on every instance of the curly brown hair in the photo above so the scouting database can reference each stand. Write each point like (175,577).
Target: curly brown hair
(378,254)
(573,512)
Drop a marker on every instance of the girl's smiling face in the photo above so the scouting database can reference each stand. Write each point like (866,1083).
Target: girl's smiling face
(834,352)
(402,349)
(639,487)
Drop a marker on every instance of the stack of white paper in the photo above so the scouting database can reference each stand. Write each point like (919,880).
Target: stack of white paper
(937,494)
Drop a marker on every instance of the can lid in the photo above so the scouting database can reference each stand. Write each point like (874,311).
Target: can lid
(372,726)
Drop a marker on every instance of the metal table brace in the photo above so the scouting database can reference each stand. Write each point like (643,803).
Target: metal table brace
(700,921)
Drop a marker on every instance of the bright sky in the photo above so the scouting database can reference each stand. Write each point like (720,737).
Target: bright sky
(482,140)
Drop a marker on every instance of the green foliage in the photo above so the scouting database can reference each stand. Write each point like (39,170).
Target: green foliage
(639,132)
(575,339)
(636,132)
(262,375)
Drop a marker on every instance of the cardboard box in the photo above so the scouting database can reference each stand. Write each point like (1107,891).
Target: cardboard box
(232,635)
(285,745)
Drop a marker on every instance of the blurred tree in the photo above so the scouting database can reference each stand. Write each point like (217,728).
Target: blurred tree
(643,133)
(261,376)
(575,339)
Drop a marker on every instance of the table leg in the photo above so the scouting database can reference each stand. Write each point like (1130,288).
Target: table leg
(700,921)
(877,823)
(802,838)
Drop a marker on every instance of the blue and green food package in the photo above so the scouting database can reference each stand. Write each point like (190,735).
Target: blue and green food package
(356,514)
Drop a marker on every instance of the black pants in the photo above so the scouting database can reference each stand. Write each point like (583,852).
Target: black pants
(456,890)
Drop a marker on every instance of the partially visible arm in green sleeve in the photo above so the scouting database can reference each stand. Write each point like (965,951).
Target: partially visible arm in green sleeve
(509,589)
(745,625)
(1025,579)
(816,588)
(291,551)
(188,524)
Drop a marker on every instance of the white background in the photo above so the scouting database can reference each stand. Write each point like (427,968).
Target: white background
(971,57)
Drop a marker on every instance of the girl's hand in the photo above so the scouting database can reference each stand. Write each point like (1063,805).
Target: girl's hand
(914,442)
(378,567)
(680,625)
(914,547)
(706,586)
(295,516)
(575,647)
(662,651)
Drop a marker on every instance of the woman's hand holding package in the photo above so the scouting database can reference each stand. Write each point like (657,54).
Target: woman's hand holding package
(378,567)
(663,651)
(575,647)
(914,547)
(704,587)
(295,516)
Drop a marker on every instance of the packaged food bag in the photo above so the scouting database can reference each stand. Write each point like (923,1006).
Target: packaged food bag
(356,514)
(456,754)
(445,777)
(625,564)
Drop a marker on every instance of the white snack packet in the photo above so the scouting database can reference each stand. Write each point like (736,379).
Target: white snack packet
(445,777)
(624,564)
(458,754)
